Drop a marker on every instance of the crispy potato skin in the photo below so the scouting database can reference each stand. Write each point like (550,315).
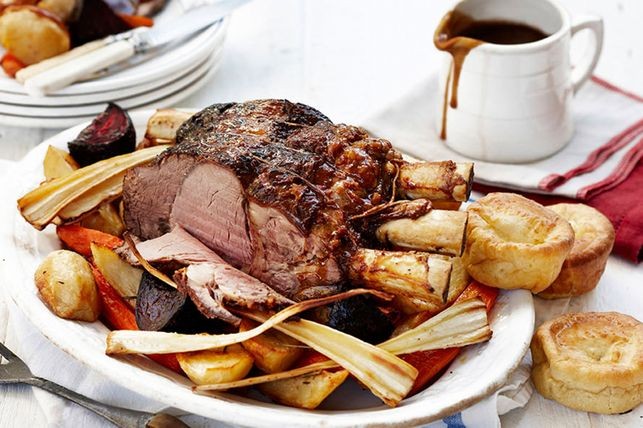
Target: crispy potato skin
(32,34)
(66,284)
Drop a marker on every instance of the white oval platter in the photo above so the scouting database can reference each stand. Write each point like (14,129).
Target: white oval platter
(477,372)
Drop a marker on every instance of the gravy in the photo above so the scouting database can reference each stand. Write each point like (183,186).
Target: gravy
(502,32)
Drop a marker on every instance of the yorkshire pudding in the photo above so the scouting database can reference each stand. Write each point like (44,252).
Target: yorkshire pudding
(590,361)
(513,242)
(583,267)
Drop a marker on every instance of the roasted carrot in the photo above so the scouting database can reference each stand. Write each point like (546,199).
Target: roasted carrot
(11,65)
(487,294)
(79,238)
(118,315)
(431,363)
(136,20)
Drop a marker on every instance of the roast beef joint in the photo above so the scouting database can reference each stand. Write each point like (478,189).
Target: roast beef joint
(265,203)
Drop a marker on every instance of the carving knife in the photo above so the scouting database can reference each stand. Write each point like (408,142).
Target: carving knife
(61,71)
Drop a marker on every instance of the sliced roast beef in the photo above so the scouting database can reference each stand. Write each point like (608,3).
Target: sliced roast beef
(176,246)
(210,282)
(209,300)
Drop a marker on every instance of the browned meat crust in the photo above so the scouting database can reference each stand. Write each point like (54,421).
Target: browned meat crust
(269,185)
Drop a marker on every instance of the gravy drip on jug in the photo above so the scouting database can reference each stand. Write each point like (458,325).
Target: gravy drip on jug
(459,33)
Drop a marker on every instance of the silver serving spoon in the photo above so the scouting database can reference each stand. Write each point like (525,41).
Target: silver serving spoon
(16,371)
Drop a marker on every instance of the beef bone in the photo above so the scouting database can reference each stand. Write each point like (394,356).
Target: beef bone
(437,181)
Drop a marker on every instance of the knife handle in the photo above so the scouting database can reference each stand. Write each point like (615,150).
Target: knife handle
(42,66)
(68,72)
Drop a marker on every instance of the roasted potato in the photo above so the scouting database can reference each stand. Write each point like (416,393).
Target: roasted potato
(272,351)
(58,163)
(63,9)
(106,219)
(306,391)
(124,277)
(66,284)
(32,34)
(216,365)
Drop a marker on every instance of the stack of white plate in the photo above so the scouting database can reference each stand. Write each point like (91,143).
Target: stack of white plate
(158,79)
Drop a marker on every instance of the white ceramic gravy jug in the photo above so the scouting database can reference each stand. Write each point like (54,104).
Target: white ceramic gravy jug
(511,102)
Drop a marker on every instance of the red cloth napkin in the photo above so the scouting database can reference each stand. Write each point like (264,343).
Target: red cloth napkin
(622,204)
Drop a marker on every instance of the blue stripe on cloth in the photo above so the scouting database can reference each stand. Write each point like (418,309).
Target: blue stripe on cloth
(454,421)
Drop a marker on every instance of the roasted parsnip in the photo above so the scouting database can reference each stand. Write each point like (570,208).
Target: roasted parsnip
(419,276)
(438,231)
(458,281)
(94,197)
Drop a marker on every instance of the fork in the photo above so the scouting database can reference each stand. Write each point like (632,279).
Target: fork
(16,371)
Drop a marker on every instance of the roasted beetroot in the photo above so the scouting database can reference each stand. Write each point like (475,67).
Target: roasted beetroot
(96,20)
(358,316)
(160,307)
(110,134)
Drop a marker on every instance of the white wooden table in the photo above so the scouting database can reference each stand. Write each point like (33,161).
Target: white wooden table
(349,59)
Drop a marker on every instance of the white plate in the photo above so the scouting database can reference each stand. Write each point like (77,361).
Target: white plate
(168,60)
(117,93)
(95,108)
(63,122)
(477,372)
